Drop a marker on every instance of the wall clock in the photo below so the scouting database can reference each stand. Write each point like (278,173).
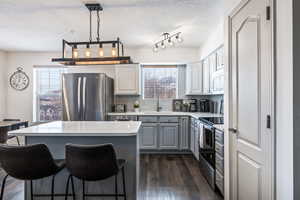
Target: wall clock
(19,80)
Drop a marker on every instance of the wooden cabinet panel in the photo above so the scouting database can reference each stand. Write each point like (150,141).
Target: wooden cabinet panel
(148,136)
(127,79)
(184,133)
(206,76)
(194,79)
(168,133)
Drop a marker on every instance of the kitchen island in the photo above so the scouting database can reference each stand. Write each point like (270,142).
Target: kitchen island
(123,135)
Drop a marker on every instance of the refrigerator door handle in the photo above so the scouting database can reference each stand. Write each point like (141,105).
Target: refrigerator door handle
(79,94)
(83,96)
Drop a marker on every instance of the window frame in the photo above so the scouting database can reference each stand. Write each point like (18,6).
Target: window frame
(36,107)
(143,66)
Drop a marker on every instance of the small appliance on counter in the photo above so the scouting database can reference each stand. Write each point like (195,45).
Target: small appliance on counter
(193,105)
(177,105)
(190,105)
(120,108)
(204,105)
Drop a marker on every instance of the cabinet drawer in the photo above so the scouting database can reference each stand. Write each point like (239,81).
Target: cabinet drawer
(219,149)
(220,163)
(148,119)
(169,119)
(219,136)
(220,182)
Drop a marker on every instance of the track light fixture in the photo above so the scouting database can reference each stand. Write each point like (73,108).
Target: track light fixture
(169,40)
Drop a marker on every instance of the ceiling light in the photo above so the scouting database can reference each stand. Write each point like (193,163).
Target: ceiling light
(167,39)
(113,50)
(179,39)
(75,51)
(155,48)
(162,45)
(117,51)
(87,51)
(101,51)
(170,42)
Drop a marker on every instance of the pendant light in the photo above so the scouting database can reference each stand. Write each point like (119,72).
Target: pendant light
(117,47)
(87,51)
(101,51)
(75,51)
(113,50)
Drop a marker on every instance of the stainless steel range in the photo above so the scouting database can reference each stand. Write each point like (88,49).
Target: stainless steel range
(207,148)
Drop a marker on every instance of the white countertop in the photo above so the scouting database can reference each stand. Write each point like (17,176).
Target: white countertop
(81,128)
(168,113)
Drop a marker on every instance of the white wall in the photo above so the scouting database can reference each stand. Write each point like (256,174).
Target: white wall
(284,100)
(214,41)
(3,84)
(20,104)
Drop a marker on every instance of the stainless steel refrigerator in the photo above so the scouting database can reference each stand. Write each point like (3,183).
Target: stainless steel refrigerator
(87,96)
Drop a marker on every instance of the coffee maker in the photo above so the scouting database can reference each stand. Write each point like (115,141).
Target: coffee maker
(204,105)
(193,105)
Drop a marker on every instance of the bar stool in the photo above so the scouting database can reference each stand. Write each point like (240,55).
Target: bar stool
(94,163)
(15,127)
(29,163)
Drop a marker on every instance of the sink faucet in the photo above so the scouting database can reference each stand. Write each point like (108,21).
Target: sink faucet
(158,108)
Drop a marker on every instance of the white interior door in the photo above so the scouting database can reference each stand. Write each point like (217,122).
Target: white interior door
(251,134)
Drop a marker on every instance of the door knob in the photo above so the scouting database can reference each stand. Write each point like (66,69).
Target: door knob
(233,130)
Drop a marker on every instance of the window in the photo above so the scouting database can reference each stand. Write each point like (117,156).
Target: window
(47,90)
(159,81)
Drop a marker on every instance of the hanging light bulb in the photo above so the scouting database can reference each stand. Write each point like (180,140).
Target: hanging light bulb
(163,46)
(155,48)
(170,42)
(113,50)
(179,39)
(101,52)
(88,51)
(75,51)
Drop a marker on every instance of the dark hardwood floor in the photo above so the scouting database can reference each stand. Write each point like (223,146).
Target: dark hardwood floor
(173,177)
(162,177)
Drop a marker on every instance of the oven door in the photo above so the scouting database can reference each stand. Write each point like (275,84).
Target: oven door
(206,138)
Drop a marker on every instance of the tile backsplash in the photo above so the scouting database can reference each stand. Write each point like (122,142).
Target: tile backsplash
(150,105)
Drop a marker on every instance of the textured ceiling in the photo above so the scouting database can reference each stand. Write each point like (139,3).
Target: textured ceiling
(40,25)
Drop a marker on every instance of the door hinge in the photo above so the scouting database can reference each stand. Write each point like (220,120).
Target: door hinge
(268,121)
(268,12)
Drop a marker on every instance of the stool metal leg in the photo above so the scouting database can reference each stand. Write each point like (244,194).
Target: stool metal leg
(73,188)
(2,187)
(67,188)
(52,187)
(83,190)
(31,190)
(18,141)
(116,186)
(124,183)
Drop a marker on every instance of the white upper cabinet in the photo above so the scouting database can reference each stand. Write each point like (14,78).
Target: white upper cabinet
(194,79)
(217,76)
(206,76)
(127,79)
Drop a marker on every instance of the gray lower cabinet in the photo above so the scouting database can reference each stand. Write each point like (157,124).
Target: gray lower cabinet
(148,136)
(168,136)
(184,133)
(219,148)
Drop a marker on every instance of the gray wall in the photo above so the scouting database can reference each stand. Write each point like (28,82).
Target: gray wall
(296,95)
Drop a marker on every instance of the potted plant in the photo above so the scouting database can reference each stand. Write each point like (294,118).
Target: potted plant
(136,106)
